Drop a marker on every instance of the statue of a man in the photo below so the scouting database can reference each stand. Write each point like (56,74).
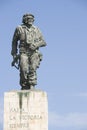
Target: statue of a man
(26,42)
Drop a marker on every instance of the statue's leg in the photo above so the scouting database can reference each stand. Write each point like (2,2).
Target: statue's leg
(24,71)
(34,64)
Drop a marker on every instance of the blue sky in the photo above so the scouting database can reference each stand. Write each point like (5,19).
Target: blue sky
(63,71)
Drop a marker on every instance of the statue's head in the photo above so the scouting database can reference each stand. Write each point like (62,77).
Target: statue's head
(28,19)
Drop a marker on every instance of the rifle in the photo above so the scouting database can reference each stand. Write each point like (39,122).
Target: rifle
(16,61)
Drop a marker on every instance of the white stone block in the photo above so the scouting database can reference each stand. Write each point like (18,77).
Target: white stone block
(25,110)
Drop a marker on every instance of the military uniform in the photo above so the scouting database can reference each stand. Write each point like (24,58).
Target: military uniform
(23,40)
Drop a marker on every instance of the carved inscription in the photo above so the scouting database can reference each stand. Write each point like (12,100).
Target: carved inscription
(26,117)
(17,110)
(21,125)
(22,115)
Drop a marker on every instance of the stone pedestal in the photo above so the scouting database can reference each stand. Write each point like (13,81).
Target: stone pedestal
(25,110)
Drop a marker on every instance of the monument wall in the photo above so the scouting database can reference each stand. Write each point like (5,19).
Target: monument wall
(25,110)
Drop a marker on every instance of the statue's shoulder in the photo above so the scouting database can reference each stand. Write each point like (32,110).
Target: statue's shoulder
(35,28)
(19,28)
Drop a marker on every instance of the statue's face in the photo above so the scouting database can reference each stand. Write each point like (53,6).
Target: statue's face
(30,20)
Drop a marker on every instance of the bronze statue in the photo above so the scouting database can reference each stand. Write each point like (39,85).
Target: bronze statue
(26,42)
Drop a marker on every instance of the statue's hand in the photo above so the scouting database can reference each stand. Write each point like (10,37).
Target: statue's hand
(33,47)
(14,56)
(15,60)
